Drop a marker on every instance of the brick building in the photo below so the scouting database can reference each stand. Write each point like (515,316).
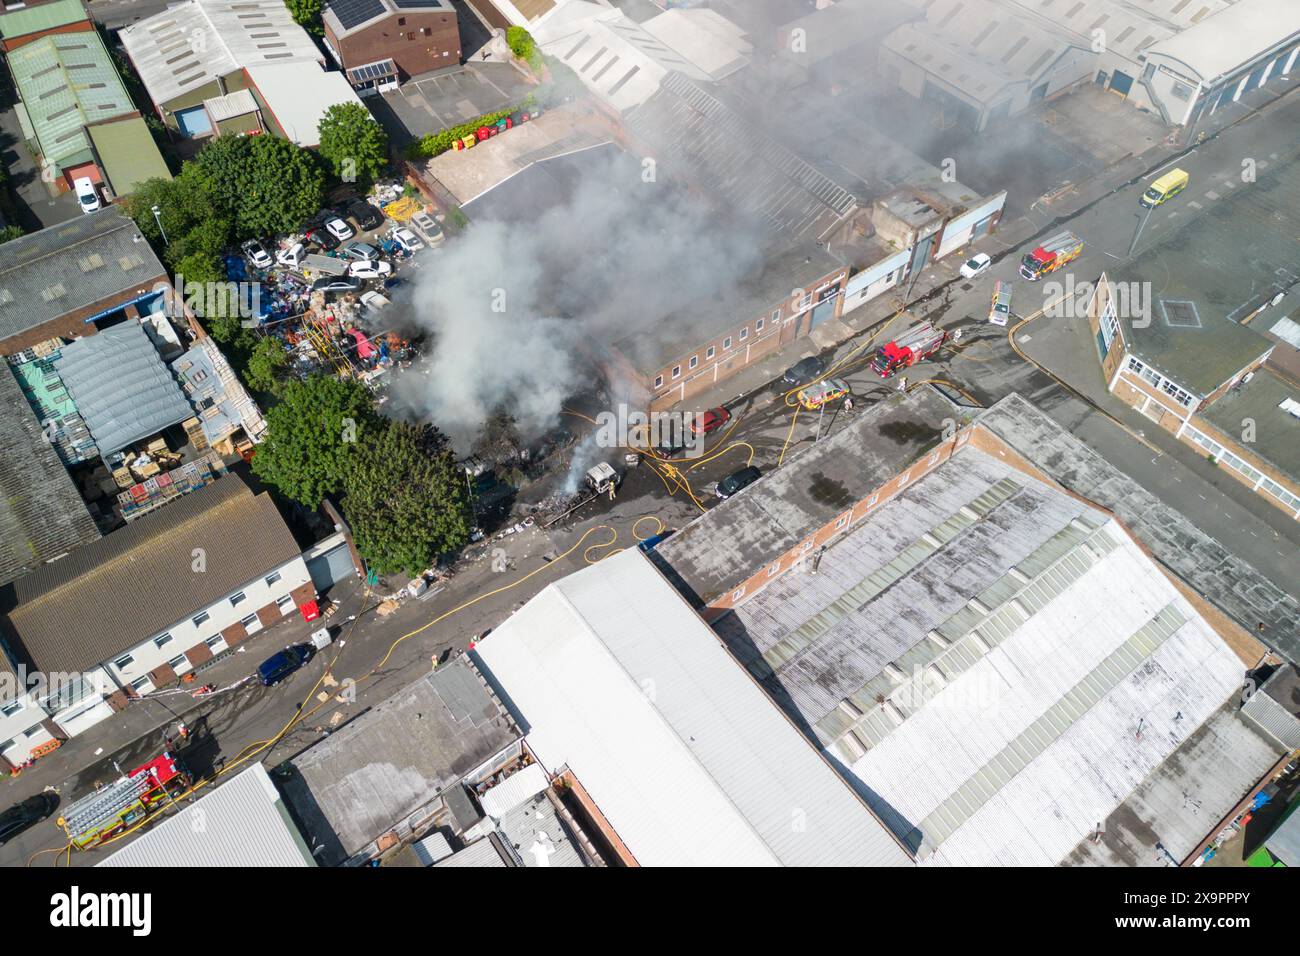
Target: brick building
(379,43)
(136,609)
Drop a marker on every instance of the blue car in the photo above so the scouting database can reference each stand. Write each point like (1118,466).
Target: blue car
(283,663)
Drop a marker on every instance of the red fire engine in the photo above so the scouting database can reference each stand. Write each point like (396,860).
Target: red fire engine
(1051,255)
(126,801)
(917,343)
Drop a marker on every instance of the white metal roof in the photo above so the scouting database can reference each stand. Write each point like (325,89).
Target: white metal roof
(298,94)
(682,752)
(190,44)
(238,103)
(705,37)
(1229,39)
(514,790)
(240,823)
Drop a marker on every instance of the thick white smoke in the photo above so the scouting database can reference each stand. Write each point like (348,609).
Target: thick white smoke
(521,313)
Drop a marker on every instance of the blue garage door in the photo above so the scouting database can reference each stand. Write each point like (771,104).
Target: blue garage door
(1121,83)
(194,122)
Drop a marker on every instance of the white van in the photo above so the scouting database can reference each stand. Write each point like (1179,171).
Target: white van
(87,195)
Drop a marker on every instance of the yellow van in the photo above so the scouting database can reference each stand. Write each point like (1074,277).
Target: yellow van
(1168,185)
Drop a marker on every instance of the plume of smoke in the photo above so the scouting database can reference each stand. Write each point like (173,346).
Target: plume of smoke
(520,311)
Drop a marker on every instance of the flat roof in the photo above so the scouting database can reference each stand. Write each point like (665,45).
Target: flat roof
(346,17)
(299,94)
(91,259)
(241,823)
(683,754)
(45,16)
(730,542)
(1241,245)
(67,81)
(373,773)
(1277,431)
(1232,37)
(128,154)
(42,515)
(965,646)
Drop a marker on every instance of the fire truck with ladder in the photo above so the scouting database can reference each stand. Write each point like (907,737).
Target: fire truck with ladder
(1051,255)
(917,343)
(120,805)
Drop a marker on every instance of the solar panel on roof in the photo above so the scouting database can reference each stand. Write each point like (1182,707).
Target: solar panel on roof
(404,4)
(352,13)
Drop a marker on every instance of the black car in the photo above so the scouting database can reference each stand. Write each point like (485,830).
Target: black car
(336,284)
(283,663)
(803,371)
(364,214)
(23,815)
(737,481)
(322,237)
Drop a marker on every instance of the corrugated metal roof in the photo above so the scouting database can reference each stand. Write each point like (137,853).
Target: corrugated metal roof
(242,823)
(96,259)
(514,790)
(45,16)
(298,95)
(141,579)
(482,852)
(1284,842)
(230,106)
(683,754)
(121,386)
(67,81)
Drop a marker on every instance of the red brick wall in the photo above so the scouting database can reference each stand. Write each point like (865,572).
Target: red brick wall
(406,43)
(72,323)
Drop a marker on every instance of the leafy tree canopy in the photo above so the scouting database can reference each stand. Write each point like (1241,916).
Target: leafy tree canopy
(353,143)
(306,13)
(313,432)
(264,184)
(406,498)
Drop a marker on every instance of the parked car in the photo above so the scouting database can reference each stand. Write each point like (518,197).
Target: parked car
(822,393)
(375,301)
(292,256)
(256,254)
(283,663)
(370,269)
(87,195)
(336,284)
(427,227)
(408,240)
(737,481)
(357,250)
(364,214)
(805,370)
(710,421)
(976,265)
(338,227)
(322,238)
(26,814)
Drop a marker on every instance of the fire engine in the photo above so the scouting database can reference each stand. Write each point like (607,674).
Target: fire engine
(1051,255)
(126,801)
(917,343)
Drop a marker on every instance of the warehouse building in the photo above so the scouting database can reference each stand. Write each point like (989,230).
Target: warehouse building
(215,67)
(72,105)
(169,592)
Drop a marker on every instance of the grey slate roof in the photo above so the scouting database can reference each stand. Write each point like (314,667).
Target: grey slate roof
(1277,431)
(42,515)
(121,386)
(733,540)
(110,595)
(241,823)
(1228,582)
(374,773)
(1284,842)
(91,259)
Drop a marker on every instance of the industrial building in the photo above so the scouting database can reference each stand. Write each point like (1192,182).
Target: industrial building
(215,67)
(380,43)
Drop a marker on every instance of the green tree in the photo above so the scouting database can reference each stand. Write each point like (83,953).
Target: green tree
(312,434)
(265,360)
(306,13)
(353,143)
(263,184)
(405,498)
(191,216)
(10,232)
(522,45)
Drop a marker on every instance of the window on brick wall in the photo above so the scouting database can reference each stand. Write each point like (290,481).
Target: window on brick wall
(758,326)
(695,360)
(711,352)
(677,371)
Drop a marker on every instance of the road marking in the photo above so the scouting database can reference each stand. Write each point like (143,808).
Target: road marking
(1211,195)
(1195,205)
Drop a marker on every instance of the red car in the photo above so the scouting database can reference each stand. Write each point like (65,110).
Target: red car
(710,421)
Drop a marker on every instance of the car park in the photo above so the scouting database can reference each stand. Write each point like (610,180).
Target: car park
(710,421)
(405,238)
(256,254)
(364,214)
(26,814)
(358,251)
(737,481)
(427,227)
(292,255)
(87,195)
(976,265)
(336,284)
(805,370)
(338,227)
(821,393)
(283,663)
(370,269)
